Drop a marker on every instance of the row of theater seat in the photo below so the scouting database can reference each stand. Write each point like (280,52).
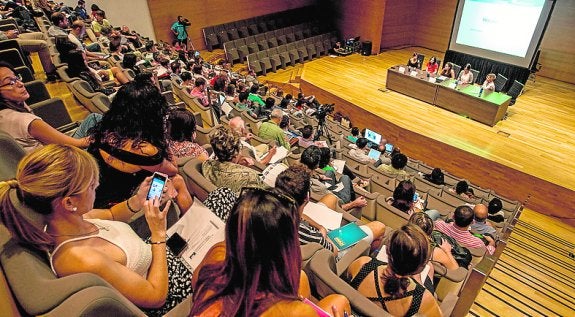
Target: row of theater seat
(217,35)
(289,54)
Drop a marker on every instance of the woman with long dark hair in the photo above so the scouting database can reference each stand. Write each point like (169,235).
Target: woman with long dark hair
(257,270)
(130,143)
(390,285)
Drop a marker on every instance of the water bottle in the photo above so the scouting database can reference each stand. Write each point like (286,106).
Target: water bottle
(480,91)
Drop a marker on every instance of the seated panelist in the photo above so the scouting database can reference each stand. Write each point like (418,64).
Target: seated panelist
(447,71)
(489,83)
(465,76)
(413,62)
(432,66)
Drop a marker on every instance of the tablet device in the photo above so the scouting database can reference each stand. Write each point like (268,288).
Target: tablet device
(388,147)
(374,154)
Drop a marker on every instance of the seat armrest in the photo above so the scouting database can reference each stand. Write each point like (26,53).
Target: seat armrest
(96,301)
(448,304)
(359,249)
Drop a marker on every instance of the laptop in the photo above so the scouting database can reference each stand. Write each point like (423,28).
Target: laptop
(372,136)
(374,154)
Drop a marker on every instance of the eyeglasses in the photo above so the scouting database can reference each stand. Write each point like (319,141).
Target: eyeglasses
(12,81)
(281,197)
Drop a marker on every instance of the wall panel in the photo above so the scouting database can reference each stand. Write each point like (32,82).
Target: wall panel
(398,23)
(362,18)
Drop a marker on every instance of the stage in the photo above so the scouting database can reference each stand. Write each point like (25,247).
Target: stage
(528,154)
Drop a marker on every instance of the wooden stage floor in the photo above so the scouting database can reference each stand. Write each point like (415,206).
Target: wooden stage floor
(532,149)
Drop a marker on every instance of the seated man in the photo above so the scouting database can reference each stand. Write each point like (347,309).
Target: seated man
(296,182)
(324,185)
(480,224)
(459,230)
(306,138)
(359,152)
(59,23)
(398,163)
(225,170)
(270,130)
(237,125)
(33,42)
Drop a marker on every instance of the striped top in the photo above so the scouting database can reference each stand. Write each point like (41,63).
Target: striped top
(463,237)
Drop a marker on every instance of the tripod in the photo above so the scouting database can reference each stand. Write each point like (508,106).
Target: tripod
(322,129)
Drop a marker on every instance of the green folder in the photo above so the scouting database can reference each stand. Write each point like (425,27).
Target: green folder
(346,236)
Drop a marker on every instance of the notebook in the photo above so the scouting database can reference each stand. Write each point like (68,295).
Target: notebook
(346,236)
(374,154)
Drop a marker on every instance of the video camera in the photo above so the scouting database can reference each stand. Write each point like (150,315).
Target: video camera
(323,111)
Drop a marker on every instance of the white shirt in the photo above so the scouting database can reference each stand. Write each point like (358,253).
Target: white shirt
(17,125)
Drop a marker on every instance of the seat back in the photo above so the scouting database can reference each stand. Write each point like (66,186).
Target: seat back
(195,181)
(515,90)
(389,215)
(475,76)
(456,69)
(12,153)
(500,82)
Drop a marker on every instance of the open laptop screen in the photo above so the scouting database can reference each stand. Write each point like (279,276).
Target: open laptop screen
(372,136)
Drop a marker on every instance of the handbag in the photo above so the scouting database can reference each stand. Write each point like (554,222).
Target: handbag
(460,253)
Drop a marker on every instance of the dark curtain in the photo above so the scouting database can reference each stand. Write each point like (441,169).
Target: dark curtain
(486,66)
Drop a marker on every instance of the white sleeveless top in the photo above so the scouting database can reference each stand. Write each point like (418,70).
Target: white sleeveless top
(138,253)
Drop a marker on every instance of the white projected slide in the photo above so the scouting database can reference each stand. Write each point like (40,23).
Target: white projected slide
(504,26)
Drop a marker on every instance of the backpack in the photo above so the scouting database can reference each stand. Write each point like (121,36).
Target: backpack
(460,253)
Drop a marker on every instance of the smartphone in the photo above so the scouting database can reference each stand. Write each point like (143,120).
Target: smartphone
(176,243)
(157,187)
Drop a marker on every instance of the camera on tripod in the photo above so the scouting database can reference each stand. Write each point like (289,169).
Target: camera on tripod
(323,111)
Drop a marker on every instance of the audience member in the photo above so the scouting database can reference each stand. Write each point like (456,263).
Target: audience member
(306,138)
(130,143)
(462,189)
(459,230)
(99,22)
(495,211)
(392,284)
(323,185)
(59,23)
(270,130)
(199,91)
(397,167)
(237,125)
(359,152)
(435,177)
(182,132)
(269,268)
(354,135)
(441,253)
(56,186)
(296,182)
(225,170)
(480,224)
(18,120)
(77,32)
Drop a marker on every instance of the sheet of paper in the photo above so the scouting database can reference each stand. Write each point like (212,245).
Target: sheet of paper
(201,229)
(413,74)
(432,79)
(271,173)
(281,153)
(328,218)
(401,70)
(226,108)
(338,165)
(382,254)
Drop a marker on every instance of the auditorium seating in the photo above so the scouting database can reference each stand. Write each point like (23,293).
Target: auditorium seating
(515,90)
(500,82)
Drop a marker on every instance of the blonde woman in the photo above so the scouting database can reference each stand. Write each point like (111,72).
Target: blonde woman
(58,182)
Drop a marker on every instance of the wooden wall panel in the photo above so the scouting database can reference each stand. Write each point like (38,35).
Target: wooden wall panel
(205,13)
(362,18)
(433,25)
(558,45)
(398,23)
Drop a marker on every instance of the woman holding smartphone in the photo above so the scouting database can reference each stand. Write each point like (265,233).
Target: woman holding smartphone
(56,186)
